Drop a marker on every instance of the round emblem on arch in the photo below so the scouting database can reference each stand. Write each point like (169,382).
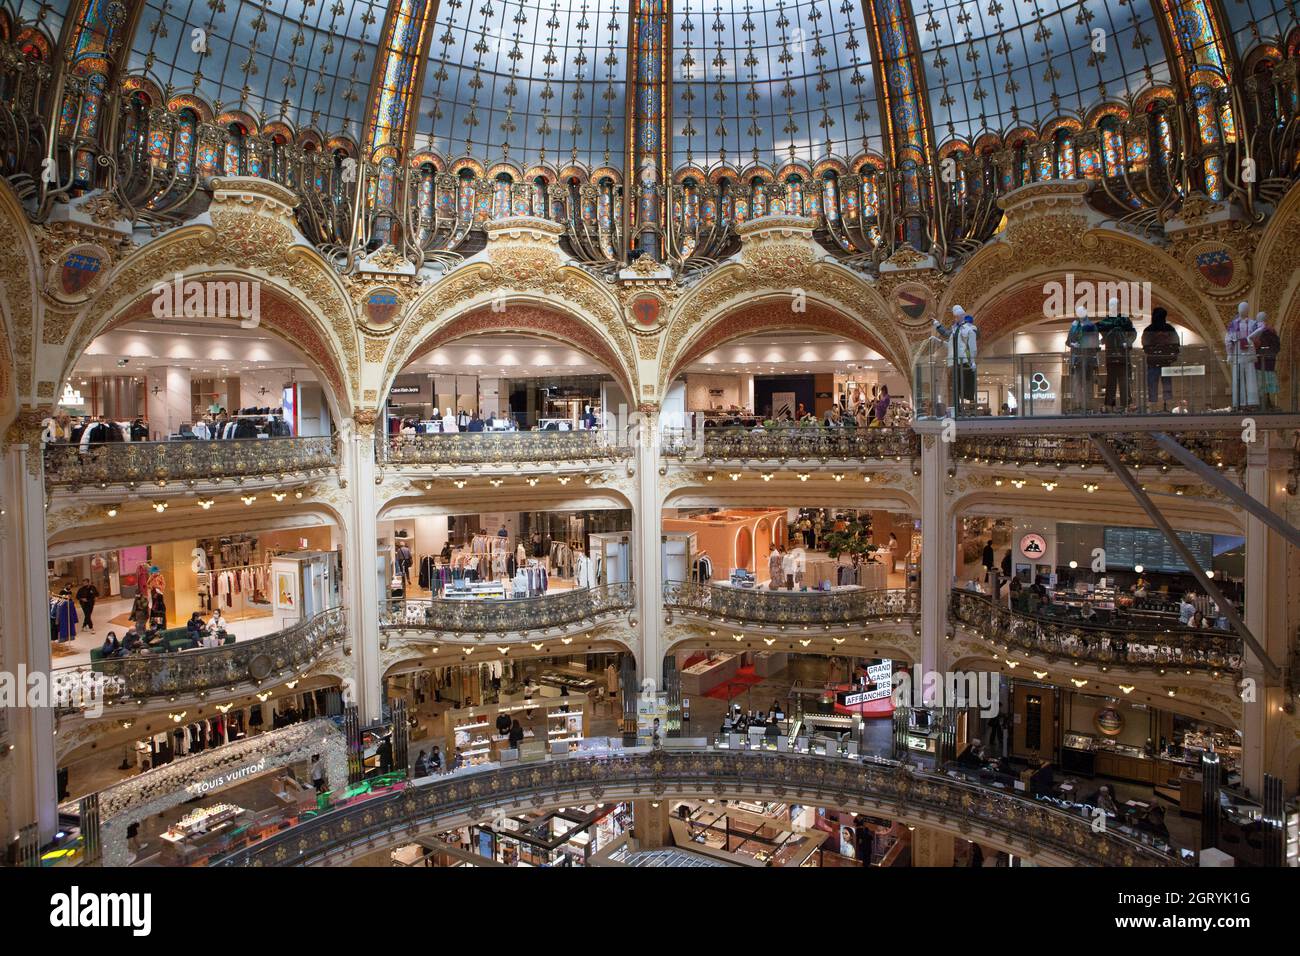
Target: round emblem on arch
(646,310)
(78,273)
(380,308)
(913,302)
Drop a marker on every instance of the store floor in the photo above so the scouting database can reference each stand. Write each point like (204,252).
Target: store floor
(114,614)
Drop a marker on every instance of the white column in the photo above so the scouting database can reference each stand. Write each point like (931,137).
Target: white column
(363,595)
(936,552)
(1265,615)
(25,627)
(172,405)
(648,568)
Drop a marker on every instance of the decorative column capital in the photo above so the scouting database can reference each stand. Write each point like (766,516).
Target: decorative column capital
(363,422)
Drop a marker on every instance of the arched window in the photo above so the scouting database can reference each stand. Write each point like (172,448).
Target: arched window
(187,124)
(234,160)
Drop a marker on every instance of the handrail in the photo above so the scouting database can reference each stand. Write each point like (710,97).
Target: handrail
(497,616)
(889,787)
(760,606)
(488,448)
(1188,648)
(177,673)
(110,463)
(791,442)
(1136,449)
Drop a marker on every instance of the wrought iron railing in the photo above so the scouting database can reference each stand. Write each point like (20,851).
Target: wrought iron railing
(1103,644)
(881,786)
(501,448)
(810,443)
(1137,449)
(763,607)
(125,463)
(202,670)
(512,615)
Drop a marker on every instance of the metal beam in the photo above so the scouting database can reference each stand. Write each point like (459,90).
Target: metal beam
(1122,473)
(1212,476)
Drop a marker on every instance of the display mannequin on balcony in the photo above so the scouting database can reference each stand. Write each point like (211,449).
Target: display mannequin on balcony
(1084,342)
(1241,359)
(1267,348)
(961,343)
(1118,335)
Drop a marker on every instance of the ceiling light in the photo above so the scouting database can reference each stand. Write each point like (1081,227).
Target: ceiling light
(1126,688)
(278,495)
(160,506)
(205,503)
(1073,565)
(1040,674)
(1078,683)
(111,511)
(248,499)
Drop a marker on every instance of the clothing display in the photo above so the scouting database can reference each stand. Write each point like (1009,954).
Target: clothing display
(63,619)
(1240,345)
(253,582)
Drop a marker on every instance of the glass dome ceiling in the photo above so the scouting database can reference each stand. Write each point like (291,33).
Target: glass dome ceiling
(753,81)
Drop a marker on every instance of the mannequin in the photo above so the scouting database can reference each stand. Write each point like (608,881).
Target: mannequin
(1118,335)
(1084,343)
(774,566)
(1241,359)
(961,346)
(1267,347)
(449,421)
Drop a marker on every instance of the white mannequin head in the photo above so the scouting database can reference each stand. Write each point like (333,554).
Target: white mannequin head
(958,312)
(1243,309)
(1261,318)
(1112,307)
(1080,313)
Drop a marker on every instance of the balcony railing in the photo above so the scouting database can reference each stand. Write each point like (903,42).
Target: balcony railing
(501,448)
(512,615)
(884,786)
(125,463)
(1056,384)
(761,607)
(1137,449)
(181,673)
(1148,647)
(788,442)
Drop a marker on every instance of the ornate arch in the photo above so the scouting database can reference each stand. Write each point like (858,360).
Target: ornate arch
(779,264)
(18,302)
(251,238)
(1277,280)
(1042,243)
(542,294)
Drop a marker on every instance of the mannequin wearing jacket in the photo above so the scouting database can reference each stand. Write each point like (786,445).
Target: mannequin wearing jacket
(961,345)
(1084,342)
(1267,347)
(1118,335)
(1241,358)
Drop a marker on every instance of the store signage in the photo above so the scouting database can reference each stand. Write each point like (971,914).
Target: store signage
(404,390)
(1033,546)
(200,787)
(1109,721)
(1181,371)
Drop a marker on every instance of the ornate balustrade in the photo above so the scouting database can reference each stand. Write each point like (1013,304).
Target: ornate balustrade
(1136,449)
(200,671)
(805,443)
(1035,829)
(513,615)
(765,608)
(501,448)
(128,463)
(1206,651)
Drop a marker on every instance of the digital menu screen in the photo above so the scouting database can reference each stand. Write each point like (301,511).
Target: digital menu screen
(1130,547)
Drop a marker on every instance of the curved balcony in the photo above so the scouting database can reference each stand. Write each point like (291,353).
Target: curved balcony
(760,607)
(68,468)
(1222,450)
(1031,828)
(520,616)
(199,672)
(1137,647)
(501,450)
(791,443)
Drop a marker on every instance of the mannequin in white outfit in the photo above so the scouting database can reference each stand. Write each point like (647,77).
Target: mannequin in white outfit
(1241,358)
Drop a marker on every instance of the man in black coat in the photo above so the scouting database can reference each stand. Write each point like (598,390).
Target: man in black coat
(86,595)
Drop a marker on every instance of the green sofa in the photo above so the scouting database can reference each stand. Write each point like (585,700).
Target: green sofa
(172,639)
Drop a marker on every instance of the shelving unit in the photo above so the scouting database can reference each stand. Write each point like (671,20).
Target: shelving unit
(473,728)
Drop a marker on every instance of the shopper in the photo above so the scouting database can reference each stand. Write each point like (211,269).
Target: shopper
(317,773)
(140,607)
(194,628)
(881,408)
(516,736)
(86,595)
(421,766)
(457,760)
(111,647)
(988,560)
(1186,609)
(158,609)
(1160,346)
(435,760)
